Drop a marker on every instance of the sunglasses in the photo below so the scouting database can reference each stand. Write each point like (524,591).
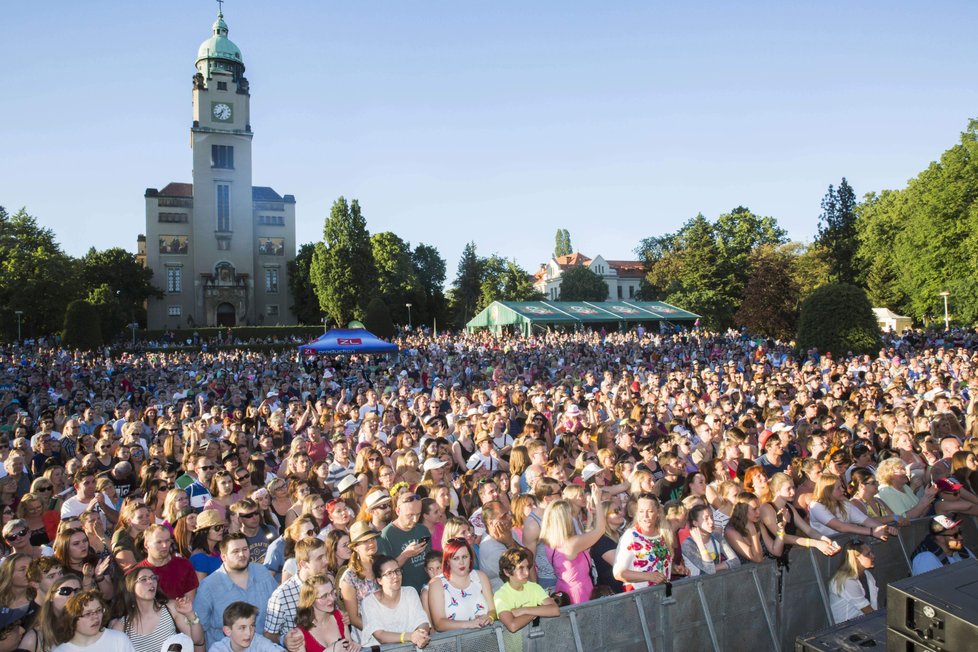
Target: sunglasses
(45,488)
(65,591)
(209,467)
(410,498)
(248,515)
(16,535)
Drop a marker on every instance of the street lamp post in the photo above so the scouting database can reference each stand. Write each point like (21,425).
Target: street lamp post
(409,314)
(19,314)
(325,321)
(947,320)
(133,325)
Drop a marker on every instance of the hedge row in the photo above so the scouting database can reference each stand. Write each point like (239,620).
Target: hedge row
(237,332)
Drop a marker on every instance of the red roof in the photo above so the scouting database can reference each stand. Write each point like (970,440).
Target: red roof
(575,259)
(174,189)
(628,268)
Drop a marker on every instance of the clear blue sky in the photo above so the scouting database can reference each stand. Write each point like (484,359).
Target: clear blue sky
(497,122)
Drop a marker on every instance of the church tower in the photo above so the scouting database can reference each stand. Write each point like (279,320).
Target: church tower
(224,245)
(221,141)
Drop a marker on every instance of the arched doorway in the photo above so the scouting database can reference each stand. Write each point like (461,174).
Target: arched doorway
(225,314)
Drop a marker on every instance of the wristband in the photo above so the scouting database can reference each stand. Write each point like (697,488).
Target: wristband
(402,637)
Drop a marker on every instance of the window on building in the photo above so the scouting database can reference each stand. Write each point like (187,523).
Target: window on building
(173,279)
(619,292)
(271,310)
(173,217)
(174,311)
(272,220)
(223,207)
(222,86)
(271,280)
(222,156)
(631,291)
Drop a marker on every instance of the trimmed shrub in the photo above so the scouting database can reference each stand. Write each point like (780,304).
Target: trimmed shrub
(838,318)
(82,328)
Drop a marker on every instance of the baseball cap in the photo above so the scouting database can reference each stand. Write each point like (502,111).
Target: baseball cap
(942,523)
(948,484)
(590,471)
(433,463)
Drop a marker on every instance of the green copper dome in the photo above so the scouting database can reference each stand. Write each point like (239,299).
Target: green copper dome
(219,46)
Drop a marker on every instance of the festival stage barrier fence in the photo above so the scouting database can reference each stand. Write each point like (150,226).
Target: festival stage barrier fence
(762,606)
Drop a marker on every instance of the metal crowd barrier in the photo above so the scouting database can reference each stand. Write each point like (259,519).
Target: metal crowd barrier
(752,607)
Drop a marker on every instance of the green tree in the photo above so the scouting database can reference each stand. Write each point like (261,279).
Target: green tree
(562,243)
(81,326)
(467,287)
(36,276)
(504,280)
(581,284)
(429,270)
(377,318)
(837,232)
(397,284)
(770,305)
(739,233)
(342,270)
(305,305)
(838,318)
(118,285)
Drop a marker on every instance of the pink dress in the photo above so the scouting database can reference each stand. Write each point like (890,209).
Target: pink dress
(573,575)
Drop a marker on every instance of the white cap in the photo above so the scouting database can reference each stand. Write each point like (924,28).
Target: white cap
(590,471)
(433,463)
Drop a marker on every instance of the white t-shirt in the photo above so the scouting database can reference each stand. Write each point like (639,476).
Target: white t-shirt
(852,599)
(406,617)
(819,517)
(110,641)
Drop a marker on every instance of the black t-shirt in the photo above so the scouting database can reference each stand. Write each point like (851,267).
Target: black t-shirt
(666,490)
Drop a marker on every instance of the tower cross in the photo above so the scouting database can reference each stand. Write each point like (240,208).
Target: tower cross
(220,7)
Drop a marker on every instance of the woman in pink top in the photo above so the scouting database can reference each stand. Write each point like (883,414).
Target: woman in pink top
(569,552)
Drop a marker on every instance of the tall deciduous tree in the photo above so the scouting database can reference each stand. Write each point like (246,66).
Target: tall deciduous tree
(396,283)
(118,286)
(837,232)
(771,300)
(305,305)
(36,276)
(429,270)
(581,284)
(504,280)
(342,271)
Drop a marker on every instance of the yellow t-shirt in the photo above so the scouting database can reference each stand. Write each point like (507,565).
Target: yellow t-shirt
(507,598)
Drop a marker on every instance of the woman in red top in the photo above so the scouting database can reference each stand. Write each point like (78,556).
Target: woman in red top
(318,618)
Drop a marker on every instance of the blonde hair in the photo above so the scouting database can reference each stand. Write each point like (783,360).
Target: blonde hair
(887,468)
(823,493)
(777,482)
(557,524)
(850,565)
(638,477)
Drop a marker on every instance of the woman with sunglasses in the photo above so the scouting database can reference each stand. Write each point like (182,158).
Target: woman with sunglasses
(853,590)
(208,532)
(31,511)
(43,636)
(148,617)
(16,539)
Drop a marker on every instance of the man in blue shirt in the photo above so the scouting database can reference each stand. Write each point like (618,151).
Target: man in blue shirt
(237,580)
(944,545)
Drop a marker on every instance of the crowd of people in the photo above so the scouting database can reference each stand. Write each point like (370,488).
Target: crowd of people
(234,500)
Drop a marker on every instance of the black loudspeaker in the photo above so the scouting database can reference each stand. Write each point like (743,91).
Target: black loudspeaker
(937,610)
(857,635)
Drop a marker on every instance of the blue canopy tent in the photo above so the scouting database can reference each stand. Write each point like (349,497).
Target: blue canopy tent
(347,340)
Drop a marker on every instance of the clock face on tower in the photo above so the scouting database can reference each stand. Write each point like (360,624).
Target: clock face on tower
(222,111)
